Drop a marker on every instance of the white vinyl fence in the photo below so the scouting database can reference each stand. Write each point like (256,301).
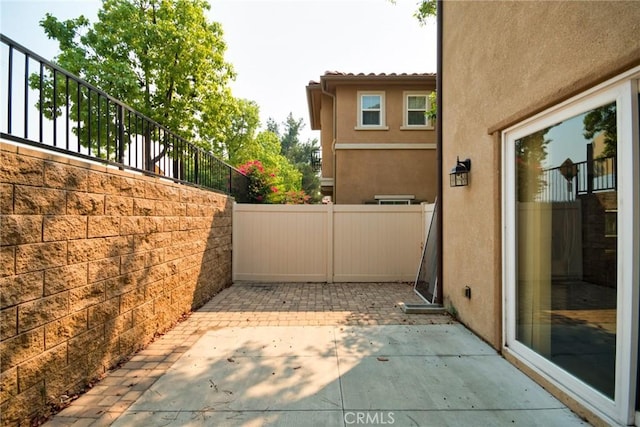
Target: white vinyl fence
(328,243)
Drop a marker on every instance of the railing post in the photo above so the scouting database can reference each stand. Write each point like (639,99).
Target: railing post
(41,103)
(146,151)
(196,170)
(10,90)
(589,168)
(121,136)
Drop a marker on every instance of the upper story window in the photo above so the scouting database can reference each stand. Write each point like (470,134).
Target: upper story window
(416,106)
(371,110)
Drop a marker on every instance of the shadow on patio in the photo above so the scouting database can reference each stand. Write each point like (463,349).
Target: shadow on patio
(253,356)
(337,376)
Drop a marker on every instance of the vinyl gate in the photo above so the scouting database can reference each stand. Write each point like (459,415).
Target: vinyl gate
(328,243)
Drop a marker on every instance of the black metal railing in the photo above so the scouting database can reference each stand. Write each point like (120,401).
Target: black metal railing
(565,183)
(49,107)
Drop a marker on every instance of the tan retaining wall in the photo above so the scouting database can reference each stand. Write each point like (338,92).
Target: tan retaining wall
(93,263)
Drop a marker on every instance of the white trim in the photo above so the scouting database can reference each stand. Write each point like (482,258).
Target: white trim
(394,197)
(371,127)
(326,182)
(624,91)
(628,254)
(384,146)
(382,124)
(635,236)
(403,127)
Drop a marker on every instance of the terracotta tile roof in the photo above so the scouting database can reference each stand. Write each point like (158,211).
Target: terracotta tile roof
(340,73)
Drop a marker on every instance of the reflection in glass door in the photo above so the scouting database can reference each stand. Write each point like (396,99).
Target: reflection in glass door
(567,235)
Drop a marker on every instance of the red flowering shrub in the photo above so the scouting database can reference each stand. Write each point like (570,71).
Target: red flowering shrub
(259,181)
(264,186)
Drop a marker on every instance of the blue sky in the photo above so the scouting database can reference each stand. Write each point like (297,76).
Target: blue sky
(277,46)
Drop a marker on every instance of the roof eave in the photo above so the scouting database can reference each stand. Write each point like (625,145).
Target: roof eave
(314,91)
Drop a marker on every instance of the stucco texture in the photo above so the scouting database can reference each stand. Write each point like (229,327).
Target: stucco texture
(502,62)
(363,174)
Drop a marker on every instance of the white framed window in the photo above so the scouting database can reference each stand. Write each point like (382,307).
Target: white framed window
(416,104)
(394,199)
(570,280)
(371,111)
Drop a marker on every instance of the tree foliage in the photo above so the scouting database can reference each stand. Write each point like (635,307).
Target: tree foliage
(164,59)
(244,120)
(259,187)
(426,9)
(283,177)
(287,160)
(300,154)
(602,121)
(531,151)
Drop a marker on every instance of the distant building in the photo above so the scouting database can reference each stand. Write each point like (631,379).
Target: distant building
(378,145)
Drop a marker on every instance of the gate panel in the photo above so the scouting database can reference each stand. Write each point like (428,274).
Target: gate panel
(326,243)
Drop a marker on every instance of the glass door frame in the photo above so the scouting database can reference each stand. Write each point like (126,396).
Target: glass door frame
(622,89)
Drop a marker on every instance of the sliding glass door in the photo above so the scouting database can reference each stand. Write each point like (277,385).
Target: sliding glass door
(566,217)
(570,193)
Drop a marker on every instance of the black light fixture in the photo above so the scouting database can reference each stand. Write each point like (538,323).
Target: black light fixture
(459,176)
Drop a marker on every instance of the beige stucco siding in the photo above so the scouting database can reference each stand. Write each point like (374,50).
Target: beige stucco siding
(347,110)
(360,162)
(363,174)
(541,54)
(326,135)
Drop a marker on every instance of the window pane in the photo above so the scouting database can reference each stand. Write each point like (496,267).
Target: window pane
(417,118)
(417,102)
(371,102)
(370,117)
(566,245)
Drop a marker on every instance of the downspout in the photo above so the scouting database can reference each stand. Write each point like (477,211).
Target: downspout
(440,216)
(333,134)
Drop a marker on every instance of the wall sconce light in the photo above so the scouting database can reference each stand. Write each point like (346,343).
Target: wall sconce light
(459,176)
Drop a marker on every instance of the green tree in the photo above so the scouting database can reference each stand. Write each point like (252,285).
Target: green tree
(244,120)
(273,126)
(426,9)
(602,120)
(531,151)
(161,57)
(299,154)
(284,178)
(290,140)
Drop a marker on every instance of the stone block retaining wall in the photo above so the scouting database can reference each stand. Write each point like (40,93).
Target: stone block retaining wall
(94,262)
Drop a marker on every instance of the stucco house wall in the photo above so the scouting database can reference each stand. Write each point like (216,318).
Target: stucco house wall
(363,174)
(518,59)
(541,55)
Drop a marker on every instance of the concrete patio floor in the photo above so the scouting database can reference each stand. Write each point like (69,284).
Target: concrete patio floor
(316,355)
